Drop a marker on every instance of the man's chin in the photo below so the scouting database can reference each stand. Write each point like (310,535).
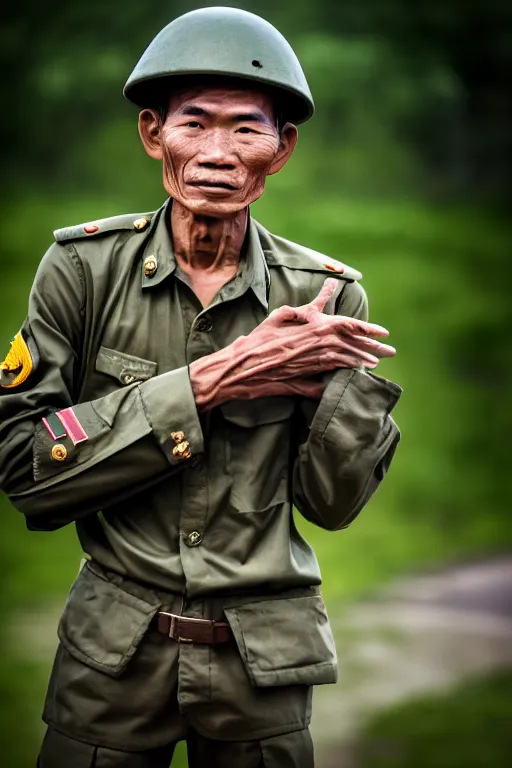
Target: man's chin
(216,209)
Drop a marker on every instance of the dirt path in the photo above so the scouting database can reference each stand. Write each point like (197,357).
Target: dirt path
(421,634)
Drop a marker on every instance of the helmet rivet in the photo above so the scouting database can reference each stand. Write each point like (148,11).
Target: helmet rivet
(257,63)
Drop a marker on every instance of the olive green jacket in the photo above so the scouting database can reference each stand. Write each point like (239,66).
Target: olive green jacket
(111,329)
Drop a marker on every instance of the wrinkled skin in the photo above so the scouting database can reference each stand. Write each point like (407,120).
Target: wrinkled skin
(217,146)
(284,354)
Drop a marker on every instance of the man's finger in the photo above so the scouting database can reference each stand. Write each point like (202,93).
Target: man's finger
(353,327)
(375,347)
(327,290)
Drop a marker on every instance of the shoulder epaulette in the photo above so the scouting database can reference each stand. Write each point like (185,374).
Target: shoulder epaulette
(319,262)
(136,221)
(280,252)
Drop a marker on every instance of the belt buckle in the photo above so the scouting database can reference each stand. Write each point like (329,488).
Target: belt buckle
(172,627)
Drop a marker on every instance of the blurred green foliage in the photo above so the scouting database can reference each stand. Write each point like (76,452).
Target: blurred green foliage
(403,173)
(465,728)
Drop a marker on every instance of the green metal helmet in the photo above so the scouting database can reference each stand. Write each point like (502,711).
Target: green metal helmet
(225,42)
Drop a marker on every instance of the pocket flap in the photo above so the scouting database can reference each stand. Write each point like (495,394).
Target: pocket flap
(126,368)
(102,624)
(287,641)
(254,413)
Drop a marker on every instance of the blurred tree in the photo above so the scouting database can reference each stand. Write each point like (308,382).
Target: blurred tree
(437,73)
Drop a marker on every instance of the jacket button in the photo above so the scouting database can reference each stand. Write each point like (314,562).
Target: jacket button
(204,324)
(59,452)
(193,539)
(181,450)
(150,265)
(127,378)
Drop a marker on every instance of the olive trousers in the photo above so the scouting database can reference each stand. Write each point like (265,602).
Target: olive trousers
(290,750)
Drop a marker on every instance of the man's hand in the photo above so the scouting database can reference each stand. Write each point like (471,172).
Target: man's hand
(287,353)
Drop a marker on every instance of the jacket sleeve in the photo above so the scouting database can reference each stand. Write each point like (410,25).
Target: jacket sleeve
(128,441)
(350,438)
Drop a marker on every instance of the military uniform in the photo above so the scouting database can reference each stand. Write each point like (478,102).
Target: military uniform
(206,532)
(198,614)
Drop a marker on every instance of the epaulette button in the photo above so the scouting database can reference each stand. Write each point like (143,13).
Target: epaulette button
(140,224)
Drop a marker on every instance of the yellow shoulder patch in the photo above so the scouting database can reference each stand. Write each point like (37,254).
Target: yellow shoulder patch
(18,365)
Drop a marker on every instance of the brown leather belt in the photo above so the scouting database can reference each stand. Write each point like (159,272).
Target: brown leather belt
(188,630)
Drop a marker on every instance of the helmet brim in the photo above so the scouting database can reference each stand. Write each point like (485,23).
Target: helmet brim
(153,92)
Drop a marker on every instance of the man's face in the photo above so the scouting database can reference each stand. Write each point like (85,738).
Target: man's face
(218,144)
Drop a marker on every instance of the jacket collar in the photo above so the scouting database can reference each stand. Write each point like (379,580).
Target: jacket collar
(253,272)
(159,246)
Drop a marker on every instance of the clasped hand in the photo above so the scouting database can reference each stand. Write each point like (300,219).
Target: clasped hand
(288,353)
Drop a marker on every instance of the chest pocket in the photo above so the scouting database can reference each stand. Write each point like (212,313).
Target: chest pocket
(123,367)
(257,440)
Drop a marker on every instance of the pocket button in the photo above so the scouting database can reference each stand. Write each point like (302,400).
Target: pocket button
(127,378)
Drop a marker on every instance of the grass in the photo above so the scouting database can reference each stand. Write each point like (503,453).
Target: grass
(465,728)
(445,499)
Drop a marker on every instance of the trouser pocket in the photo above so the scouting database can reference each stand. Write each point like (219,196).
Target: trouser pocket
(288,750)
(59,751)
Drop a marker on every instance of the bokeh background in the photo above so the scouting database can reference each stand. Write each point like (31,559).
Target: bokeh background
(404,173)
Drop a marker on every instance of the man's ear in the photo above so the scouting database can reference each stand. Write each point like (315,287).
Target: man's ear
(287,141)
(150,127)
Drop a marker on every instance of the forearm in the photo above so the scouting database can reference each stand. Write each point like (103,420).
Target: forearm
(210,377)
(129,445)
(350,445)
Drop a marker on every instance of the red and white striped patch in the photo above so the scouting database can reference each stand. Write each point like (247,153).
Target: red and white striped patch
(69,421)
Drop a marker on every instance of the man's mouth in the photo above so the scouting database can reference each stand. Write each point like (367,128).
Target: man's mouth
(212,185)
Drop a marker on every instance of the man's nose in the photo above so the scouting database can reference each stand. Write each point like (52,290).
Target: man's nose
(216,152)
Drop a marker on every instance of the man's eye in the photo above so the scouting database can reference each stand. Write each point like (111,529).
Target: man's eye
(244,129)
(194,124)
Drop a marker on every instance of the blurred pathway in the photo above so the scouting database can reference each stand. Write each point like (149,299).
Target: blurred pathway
(421,634)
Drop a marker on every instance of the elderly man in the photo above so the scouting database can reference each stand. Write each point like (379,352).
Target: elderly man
(182,379)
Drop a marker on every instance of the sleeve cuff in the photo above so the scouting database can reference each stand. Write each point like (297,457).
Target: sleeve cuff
(171,410)
(379,394)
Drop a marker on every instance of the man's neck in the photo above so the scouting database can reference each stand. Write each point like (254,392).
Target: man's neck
(206,244)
